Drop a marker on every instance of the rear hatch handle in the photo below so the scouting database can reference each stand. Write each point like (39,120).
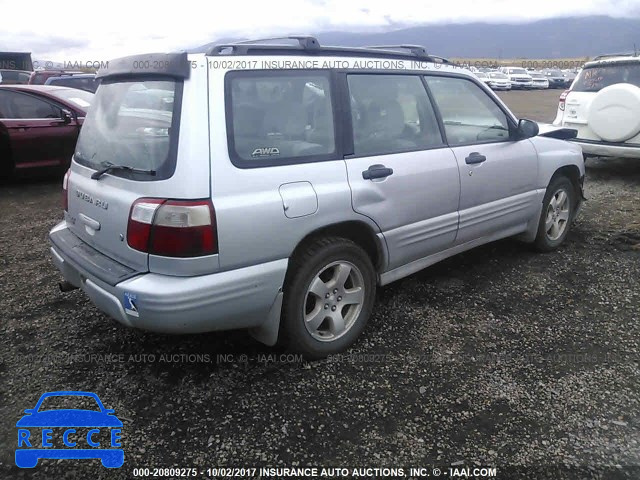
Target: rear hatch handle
(89,222)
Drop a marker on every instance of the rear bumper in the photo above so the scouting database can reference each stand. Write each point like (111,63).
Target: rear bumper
(240,298)
(602,149)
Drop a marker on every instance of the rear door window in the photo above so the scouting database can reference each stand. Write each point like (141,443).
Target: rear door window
(279,117)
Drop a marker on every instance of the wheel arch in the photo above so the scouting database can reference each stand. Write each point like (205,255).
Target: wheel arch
(358,232)
(572,172)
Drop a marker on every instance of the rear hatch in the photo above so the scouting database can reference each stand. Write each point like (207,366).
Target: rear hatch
(589,82)
(132,146)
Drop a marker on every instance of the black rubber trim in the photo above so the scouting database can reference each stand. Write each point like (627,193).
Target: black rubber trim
(85,258)
(606,144)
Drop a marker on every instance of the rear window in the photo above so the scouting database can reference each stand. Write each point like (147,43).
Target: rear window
(594,79)
(277,118)
(132,123)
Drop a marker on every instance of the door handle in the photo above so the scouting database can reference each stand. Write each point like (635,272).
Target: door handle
(475,157)
(377,171)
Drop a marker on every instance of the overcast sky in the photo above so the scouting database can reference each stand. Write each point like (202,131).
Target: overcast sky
(72,30)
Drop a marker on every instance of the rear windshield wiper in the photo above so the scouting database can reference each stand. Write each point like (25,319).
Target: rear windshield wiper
(110,167)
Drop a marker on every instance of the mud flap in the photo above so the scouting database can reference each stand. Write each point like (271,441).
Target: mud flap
(267,333)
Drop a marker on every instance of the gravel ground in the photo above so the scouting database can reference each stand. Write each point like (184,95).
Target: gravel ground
(499,357)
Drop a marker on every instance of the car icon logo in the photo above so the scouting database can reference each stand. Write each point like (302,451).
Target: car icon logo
(69,433)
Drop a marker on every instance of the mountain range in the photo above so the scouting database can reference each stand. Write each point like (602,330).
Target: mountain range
(570,37)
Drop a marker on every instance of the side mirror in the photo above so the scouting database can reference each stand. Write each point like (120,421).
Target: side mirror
(109,411)
(29,411)
(66,116)
(527,129)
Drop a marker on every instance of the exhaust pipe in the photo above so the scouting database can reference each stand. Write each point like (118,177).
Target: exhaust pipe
(66,286)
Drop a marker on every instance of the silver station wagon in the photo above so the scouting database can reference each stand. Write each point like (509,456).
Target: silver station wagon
(272,185)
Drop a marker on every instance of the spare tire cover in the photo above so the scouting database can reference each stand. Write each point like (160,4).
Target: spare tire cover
(614,114)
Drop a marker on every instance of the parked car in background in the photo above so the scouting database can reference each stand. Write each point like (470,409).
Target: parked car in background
(39,126)
(518,76)
(14,77)
(569,77)
(291,195)
(556,78)
(499,81)
(603,105)
(39,77)
(87,82)
(539,80)
(483,77)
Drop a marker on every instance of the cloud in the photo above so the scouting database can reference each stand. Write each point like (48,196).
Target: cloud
(83,30)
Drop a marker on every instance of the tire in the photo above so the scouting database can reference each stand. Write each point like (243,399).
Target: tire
(320,275)
(557,214)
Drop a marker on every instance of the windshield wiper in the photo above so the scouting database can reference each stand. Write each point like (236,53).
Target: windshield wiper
(110,167)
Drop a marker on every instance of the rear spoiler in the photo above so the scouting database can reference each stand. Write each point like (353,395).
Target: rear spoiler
(561,133)
(174,65)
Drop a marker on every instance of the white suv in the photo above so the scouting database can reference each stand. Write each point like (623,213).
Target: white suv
(603,105)
(519,77)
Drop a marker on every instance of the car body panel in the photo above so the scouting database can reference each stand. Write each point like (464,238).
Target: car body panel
(264,213)
(40,142)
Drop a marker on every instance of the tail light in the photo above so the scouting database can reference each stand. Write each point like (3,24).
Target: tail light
(173,228)
(65,191)
(563,98)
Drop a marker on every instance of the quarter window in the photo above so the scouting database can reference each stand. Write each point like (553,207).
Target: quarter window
(279,118)
(391,113)
(469,114)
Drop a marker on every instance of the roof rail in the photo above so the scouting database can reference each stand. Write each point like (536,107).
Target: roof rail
(310,45)
(417,50)
(610,55)
(305,42)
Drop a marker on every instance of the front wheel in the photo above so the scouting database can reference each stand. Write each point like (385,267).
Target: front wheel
(557,213)
(329,296)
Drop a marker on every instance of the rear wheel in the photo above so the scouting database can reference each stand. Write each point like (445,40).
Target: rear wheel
(557,213)
(329,295)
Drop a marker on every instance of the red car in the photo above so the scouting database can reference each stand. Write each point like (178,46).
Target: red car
(39,126)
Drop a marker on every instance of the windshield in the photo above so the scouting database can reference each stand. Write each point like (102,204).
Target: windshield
(498,75)
(594,79)
(62,402)
(79,98)
(132,123)
(481,75)
(518,71)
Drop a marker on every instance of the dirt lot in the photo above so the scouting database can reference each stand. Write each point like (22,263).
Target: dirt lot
(498,357)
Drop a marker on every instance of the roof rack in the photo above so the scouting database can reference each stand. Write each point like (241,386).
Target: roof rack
(310,45)
(417,50)
(306,42)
